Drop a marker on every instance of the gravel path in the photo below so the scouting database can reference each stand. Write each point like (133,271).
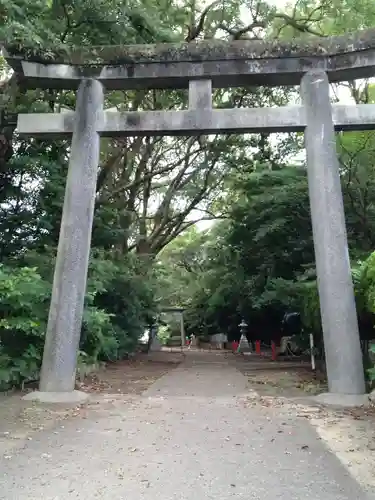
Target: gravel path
(190,436)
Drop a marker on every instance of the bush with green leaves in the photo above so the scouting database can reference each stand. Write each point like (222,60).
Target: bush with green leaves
(164,334)
(118,306)
(124,290)
(364,286)
(24,299)
(371,371)
(24,304)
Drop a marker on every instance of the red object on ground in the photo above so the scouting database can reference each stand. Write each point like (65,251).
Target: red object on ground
(235,346)
(274,354)
(257,346)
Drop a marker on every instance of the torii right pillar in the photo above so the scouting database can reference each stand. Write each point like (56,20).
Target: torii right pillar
(337,304)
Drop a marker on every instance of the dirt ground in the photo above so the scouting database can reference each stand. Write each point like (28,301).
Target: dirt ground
(20,420)
(131,376)
(283,386)
(287,378)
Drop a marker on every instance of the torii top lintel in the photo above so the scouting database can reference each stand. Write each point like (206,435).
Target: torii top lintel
(227,64)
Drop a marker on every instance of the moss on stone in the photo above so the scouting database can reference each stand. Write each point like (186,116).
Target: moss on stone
(208,50)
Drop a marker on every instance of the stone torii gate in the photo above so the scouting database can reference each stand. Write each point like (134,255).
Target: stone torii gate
(201,66)
(180,311)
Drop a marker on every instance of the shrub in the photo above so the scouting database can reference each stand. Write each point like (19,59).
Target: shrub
(24,299)
(124,291)
(24,305)
(118,306)
(164,334)
(371,371)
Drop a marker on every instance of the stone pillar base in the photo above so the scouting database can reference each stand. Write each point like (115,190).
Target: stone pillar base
(73,397)
(342,400)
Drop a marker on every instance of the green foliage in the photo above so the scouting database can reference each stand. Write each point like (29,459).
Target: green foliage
(365,284)
(164,334)
(261,262)
(128,298)
(24,297)
(371,371)
(250,262)
(118,307)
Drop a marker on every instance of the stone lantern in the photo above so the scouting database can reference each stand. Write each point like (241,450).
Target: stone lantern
(243,327)
(244,344)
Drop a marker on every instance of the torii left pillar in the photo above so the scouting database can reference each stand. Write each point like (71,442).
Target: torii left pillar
(58,373)
(182,330)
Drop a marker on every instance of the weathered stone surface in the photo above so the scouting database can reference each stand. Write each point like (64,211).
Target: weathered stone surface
(244,345)
(200,94)
(194,341)
(196,122)
(342,400)
(206,50)
(336,295)
(69,283)
(155,344)
(72,397)
(235,63)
